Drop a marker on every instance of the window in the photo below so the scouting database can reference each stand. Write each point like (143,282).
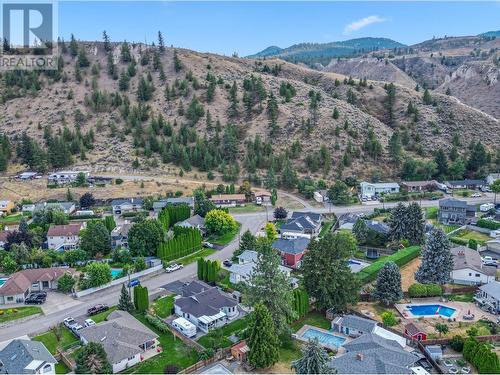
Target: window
(131,358)
(46,368)
(10,298)
(478,275)
(470,274)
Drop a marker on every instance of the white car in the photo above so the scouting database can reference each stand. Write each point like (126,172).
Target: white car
(489,261)
(173,267)
(69,322)
(89,323)
(476,195)
(208,244)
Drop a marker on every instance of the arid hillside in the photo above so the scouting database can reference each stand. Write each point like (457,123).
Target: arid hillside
(197,110)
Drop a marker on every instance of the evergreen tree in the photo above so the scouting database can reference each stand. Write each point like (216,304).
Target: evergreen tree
(161,42)
(73,46)
(124,82)
(442,163)
(263,341)
(390,99)
(272,113)
(124,303)
(388,288)
(427,98)
(83,61)
(92,359)
(233,99)
(107,44)
(395,148)
(125,55)
(314,359)
(437,260)
(407,223)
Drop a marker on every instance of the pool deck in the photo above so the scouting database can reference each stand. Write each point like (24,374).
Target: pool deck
(300,332)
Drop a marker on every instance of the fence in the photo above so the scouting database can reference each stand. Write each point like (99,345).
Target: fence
(119,281)
(446,341)
(184,339)
(220,354)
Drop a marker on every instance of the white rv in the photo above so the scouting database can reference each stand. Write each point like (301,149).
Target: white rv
(185,327)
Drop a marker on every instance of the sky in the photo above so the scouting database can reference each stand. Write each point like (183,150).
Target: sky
(226,27)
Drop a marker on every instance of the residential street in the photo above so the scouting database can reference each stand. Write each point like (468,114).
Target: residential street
(251,221)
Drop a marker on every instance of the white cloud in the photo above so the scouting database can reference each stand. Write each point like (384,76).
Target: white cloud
(363,22)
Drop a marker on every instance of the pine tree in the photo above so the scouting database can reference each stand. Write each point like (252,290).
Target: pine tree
(441,163)
(177,62)
(107,44)
(73,46)
(233,98)
(263,341)
(161,42)
(314,359)
(416,224)
(437,260)
(395,148)
(427,98)
(335,114)
(125,55)
(388,288)
(124,303)
(272,113)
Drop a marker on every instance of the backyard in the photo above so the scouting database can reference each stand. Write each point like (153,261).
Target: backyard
(481,238)
(163,306)
(14,313)
(312,318)
(220,337)
(327,227)
(225,238)
(57,338)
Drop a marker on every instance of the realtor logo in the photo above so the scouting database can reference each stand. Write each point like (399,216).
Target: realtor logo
(28,35)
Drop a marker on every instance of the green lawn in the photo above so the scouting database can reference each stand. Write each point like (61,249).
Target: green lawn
(163,306)
(195,256)
(481,238)
(11,218)
(313,318)
(7,315)
(175,352)
(466,297)
(98,318)
(249,208)
(61,368)
(225,238)
(431,212)
(289,353)
(327,226)
(219,337)
(51,342)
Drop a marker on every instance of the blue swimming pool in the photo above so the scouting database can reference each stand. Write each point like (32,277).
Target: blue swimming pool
(3,280)
(326,339)
(116,272)
(425,310)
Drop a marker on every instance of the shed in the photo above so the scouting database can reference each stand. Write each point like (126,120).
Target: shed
(240,351)
(434,351)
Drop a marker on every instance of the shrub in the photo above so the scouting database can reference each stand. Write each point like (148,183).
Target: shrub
(157,323)
(457,343)
(170,369)
(459,241)
(488,224)
(388,318)
(434,290)
(118,181)
(417,290)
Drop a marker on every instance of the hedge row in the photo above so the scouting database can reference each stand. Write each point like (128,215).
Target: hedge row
(141,299)
(488,224)
(459,241)
(425,290)
(157,323)
(402,257)
(300,302)
(409,196)
(181,245)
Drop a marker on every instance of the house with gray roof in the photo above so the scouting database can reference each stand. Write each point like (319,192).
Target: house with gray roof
(372,354)
(240,272)
(124,205)
(162,203)
(454,211)
(369,189)
(468,268)
(125,340)
(26,357)
(195,221)
(302,224)
(489,296)
(248,256)
(465,184)
(291,250)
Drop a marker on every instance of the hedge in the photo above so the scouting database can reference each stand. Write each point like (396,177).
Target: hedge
(459,241)
(392,197)
(425,290)
(157,323)
(488,224)
(141,299)
(181,245)
(300,302)
(401,257)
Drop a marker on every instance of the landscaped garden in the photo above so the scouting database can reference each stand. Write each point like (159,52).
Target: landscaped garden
(14,313)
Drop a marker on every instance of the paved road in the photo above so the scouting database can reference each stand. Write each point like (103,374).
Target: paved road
(251,221)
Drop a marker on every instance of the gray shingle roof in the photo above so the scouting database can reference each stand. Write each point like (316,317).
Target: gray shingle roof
(291,246)
(20,353)
(372,354)
(492,289)
(377,226)
(208,302)
(119,202)
(358,323)
(463,258)
(451,202)
(314,216)
(248,256)
(464,182)
(181,200)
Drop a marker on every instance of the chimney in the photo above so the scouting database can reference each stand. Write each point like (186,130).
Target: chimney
(359,356)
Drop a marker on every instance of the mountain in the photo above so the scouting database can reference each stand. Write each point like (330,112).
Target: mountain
(102,112)
(311,53)
(490,34)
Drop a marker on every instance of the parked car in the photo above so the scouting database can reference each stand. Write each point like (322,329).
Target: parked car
(227,263)
(475,195)
(97,309)
(69,322)
(89,323)
(489,261)
(34,300)
(174,267)
(76,328)
(133,282)
(42,293)
(208,244)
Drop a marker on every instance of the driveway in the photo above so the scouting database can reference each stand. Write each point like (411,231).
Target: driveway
(58,302)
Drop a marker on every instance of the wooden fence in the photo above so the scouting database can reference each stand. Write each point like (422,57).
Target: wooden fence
(186,340)
(446,341)
(220,354)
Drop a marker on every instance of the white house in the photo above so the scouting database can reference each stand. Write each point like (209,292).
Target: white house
(64,237)
(66,177)
(26,357)
(121,206)
(468,269)
(240,272)
(489,295)
(195,221)
(492,177)
(369,189)
(321,196)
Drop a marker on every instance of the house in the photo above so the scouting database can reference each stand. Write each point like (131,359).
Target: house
(64,237)
(492,249)
(261,197)
(419,186)
(489,296)
(22,283)
(370,190)
(3,238)
(491,178)
(240,272)
(125,340)
(454,211)
(378,227)
(27,175)
(119,235)
(302,224)
(206,307)
(373,354)
(465,184)
(240,351)
(195,221)
(291,250)
(26,357)
(228,200)
(355,326)
(6,206)
(162,203)
(346,221)
(121,206)
(415,332)
(468,268)
(321,196)
(67,207)
(66,177)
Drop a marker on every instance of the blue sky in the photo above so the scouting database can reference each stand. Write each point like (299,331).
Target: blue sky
(248,27)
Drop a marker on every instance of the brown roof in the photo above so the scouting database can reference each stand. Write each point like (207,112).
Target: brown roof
(19,282)
(413,329)
(64,230)
(228,197)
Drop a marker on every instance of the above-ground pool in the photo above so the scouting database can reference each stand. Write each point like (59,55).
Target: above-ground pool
(326,339)
(3,280)
(116,272)
(431,310)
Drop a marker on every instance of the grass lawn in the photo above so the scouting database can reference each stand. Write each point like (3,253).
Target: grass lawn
(61,368)
(466,297)
(220,336)
(175,352)
(163,306)
(431,212)
(313,318)
(246,209)
(481,238)
(327,226)
(7,315)
(98,318)
(14,218)
(51,342)
(290,353)
(194,257)
(225,238)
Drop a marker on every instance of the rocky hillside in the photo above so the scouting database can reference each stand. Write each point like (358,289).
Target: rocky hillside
(198,110)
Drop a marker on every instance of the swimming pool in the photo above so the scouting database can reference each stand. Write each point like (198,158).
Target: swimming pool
(3,280)
(116,272)
(325,338)
(431,310)
(356,265)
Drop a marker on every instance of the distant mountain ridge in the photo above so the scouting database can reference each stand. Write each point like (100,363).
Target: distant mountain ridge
(311,53)
(491,33)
